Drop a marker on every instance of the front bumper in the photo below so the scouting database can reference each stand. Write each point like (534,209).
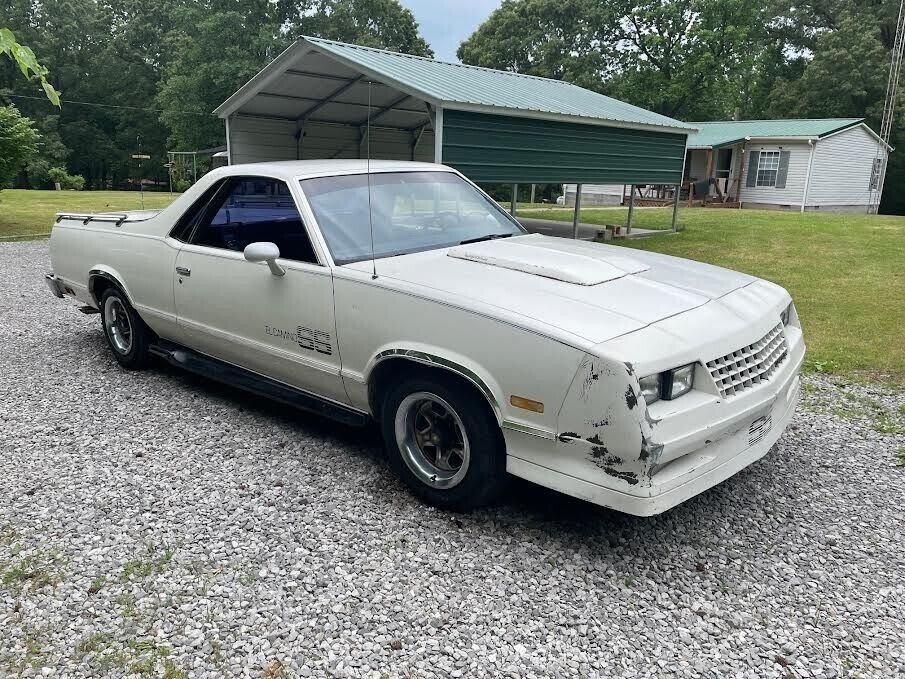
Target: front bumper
(688,445)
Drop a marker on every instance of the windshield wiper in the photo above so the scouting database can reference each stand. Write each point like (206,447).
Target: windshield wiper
(489,236)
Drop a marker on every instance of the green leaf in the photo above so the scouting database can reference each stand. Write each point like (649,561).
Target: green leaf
(7,40)
(26,59)
(51,93)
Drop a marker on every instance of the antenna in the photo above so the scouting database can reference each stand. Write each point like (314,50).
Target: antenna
(368,175)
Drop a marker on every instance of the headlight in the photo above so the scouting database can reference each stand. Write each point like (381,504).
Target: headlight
(677,382)
(786,315)
(667,385)
(650,388)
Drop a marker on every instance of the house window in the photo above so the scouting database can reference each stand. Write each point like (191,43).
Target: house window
(767,168)
(875,174)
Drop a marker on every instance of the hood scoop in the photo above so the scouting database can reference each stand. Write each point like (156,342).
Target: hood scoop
(549,257)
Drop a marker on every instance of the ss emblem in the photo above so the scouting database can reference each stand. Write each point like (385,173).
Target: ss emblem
(314,340)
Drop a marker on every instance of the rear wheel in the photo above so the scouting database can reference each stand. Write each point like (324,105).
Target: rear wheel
(444,442)
(127,335)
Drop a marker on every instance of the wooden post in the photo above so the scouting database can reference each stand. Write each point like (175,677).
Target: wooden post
(514,199)
(631,210)
(532,193)
(577,211)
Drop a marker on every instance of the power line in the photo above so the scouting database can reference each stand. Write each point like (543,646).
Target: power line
(99,105)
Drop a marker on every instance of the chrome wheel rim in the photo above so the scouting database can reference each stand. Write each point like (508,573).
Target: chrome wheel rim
(432,440)
(118,325)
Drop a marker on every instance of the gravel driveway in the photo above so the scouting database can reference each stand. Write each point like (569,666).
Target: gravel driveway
(156,524)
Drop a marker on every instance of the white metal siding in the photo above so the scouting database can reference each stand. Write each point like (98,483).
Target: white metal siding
(697,164)
(595,194)
(798,168)
(255,140)
(842,167)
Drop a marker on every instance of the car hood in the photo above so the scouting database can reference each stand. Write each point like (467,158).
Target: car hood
(589,290)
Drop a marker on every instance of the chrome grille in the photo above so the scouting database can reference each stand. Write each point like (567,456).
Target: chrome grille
(750,365)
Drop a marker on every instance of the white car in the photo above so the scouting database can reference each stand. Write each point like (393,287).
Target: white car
(405,294)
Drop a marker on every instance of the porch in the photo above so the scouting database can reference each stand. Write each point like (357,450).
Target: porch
(712,176)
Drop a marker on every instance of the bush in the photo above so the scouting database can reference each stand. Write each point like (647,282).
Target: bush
(181,185)
(69,182)
(73,182)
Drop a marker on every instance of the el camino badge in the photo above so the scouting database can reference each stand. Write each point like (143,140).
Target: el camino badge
(306,338)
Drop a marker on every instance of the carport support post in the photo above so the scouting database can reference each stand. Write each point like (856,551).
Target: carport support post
(577,211)
(675,207)
(631,210)
(514,199)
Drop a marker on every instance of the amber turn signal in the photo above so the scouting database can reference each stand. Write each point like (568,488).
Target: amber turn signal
(527,404)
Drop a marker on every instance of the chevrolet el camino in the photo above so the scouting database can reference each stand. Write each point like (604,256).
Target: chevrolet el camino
(400,292)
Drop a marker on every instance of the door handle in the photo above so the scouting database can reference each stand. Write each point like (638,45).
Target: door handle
(183,271)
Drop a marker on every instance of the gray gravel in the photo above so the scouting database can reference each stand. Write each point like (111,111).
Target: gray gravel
(158,524)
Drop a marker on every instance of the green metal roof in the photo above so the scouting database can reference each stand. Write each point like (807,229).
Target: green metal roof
(725,132)
(450,84)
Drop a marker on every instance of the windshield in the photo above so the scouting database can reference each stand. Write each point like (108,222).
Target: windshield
(411,211)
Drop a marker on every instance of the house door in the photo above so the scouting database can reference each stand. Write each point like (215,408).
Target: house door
(723,163)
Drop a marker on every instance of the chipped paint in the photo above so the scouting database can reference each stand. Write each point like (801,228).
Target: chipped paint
(631,400)
(629,477)
(605,426)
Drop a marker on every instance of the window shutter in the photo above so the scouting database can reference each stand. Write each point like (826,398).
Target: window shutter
(783,170)
(752,169)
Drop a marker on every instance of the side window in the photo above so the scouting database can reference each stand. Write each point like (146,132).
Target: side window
(254,209)
(186,224)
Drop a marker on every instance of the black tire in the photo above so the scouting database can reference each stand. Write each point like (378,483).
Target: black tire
(485,477)
(116,315)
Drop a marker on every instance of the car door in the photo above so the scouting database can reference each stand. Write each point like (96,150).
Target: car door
(238,311)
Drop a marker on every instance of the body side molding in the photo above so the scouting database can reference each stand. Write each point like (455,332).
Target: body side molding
(247,380)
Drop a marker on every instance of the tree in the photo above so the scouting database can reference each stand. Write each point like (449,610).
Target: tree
(568,40)
(677,57)
(27,62)
(223,43)
(51,152)
(384,24)
(846,77)
(18,143)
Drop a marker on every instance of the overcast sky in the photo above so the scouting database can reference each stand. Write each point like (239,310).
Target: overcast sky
(446,23)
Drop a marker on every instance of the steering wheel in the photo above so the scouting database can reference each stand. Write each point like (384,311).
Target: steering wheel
(447,219)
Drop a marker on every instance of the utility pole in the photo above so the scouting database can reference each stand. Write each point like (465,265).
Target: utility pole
(140,157)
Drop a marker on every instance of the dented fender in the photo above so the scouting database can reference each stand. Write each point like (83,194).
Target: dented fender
(604,425)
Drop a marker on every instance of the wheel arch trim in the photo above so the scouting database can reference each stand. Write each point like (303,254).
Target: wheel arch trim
(108,274)
(436,361)
(433,360)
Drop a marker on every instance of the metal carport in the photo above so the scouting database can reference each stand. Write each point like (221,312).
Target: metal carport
(319,98)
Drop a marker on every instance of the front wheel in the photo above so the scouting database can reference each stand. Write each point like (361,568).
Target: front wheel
(444,443)
(127,335)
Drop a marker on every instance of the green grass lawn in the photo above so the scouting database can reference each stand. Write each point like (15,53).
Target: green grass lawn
(845,272)
(31,213)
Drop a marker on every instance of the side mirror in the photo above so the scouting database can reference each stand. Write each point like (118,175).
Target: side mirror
(265,252)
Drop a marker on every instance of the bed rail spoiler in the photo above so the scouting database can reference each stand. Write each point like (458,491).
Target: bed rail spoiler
(85,218)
